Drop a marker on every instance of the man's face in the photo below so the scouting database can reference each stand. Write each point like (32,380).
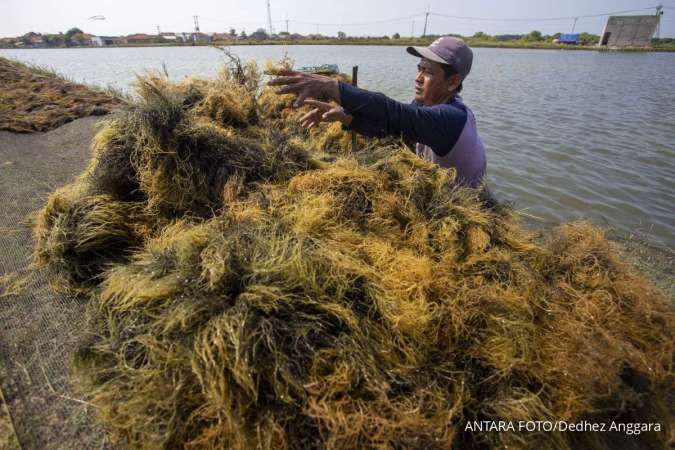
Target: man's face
(431,86)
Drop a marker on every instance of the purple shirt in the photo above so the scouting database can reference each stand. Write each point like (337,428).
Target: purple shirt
(446,134)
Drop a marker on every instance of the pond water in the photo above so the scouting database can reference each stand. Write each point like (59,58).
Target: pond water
(569,134)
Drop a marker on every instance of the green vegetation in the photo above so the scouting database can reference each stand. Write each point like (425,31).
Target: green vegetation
(534,39)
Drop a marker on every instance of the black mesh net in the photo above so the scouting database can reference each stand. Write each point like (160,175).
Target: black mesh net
(38,328)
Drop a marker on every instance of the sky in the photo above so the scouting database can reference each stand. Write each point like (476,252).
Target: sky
(354,17)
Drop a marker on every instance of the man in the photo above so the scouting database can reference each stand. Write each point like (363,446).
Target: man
(437,120)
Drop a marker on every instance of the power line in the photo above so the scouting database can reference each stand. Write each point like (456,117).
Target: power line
(230,22)
(541,19)
(182,22)
(373,22)
(300,22)
(450,16)
(426,15)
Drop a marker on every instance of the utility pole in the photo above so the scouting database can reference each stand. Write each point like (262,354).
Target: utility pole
(575,24)
(269,18)
(412,32)
(287,26)
(196,19)
(659,13)
(426,19)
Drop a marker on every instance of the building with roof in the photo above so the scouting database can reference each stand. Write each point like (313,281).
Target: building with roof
(629,31)
(139,38)
(103,41)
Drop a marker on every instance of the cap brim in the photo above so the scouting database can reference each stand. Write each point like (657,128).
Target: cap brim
(424,52)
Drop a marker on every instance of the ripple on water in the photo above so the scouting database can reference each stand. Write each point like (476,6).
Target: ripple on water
(569,134)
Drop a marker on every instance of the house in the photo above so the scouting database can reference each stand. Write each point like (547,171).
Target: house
(223,37)
(139,38)
(35,40)
(103,41)
(201,37)
(171,37)
(183,37)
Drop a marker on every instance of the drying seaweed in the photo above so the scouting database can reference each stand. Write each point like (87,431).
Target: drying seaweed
(372,307)
(36,99)
(79,235)
(13,284)
(252,297)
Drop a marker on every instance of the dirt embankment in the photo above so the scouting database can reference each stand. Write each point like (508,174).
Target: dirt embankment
(34,99)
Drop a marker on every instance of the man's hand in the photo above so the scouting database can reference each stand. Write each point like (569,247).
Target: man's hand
(326,112)
(306,85)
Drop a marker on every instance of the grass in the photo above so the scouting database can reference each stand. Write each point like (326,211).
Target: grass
(407,41)
(487,43)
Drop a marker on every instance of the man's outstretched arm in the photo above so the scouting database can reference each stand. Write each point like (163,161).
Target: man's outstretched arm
(376,115)
(437,126)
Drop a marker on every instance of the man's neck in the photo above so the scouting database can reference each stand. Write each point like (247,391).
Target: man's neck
(447,99)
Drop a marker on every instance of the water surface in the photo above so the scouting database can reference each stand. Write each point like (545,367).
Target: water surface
(569,134)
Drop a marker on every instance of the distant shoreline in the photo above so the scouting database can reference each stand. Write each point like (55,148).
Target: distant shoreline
(371,42)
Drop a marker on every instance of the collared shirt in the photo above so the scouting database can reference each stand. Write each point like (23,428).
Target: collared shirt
(446,134)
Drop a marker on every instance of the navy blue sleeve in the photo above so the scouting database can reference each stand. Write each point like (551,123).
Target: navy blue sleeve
(376,115)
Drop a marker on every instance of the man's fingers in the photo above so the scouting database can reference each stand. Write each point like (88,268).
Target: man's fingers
(290,73)
(289,89)
(314,112)
(319,105)
(333,115)
(283,80)
(302,95)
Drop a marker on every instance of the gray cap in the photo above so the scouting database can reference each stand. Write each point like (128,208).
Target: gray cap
(447,50)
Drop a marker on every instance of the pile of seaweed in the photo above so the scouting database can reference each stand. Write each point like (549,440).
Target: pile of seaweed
(36,99)
(248,292)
